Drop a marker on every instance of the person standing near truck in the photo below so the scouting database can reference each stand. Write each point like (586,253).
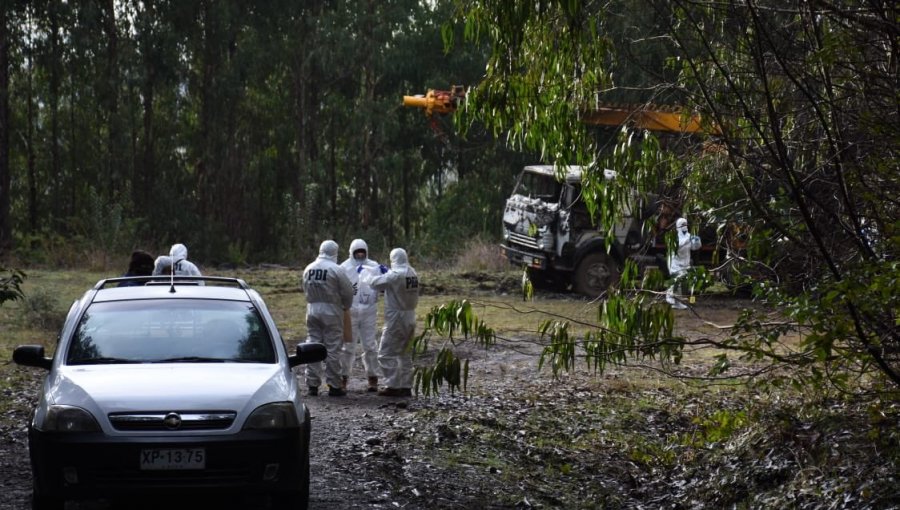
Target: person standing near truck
(680,261)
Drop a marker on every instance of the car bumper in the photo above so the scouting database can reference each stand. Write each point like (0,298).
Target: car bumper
(96,465)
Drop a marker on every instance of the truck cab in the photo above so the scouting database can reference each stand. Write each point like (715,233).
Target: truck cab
(547,228)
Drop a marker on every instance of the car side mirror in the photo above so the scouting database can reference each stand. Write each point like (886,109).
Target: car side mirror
(32,356)
(308,353)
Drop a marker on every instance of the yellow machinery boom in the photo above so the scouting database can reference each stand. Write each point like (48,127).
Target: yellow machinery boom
(640,116)
(437,101)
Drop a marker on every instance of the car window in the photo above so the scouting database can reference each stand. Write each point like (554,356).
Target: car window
(170,330)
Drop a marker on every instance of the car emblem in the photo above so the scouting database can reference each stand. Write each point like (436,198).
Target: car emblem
(172,421)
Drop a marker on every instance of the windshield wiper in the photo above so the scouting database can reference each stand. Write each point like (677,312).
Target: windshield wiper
(191,359)
(101,361)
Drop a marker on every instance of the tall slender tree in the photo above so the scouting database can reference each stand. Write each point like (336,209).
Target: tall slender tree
(5,226)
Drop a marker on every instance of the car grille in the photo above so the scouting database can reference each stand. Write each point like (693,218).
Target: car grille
(215,420)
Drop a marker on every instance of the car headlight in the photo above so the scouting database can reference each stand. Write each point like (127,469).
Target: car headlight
(61,418)
(278,415)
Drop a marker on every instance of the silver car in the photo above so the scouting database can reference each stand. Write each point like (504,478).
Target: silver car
(180,385)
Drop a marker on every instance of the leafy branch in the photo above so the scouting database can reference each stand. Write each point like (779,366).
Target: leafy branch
(11,285)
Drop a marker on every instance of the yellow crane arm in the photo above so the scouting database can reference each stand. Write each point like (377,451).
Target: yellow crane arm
(640,116)
(437,101)
(648,117)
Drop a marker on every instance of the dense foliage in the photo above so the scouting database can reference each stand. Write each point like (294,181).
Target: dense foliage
(249,131)
(801,170)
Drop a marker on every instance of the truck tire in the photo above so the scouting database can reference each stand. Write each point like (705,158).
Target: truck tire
(595,274)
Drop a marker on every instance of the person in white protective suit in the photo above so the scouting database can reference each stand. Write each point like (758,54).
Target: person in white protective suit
(329,295)
(176,262)
(680,261)
(363,314)
(401,295)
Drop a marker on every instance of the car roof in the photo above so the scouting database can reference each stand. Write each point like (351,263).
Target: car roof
(232,289)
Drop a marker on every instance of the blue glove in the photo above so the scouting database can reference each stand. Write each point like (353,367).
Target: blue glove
(359,269)
(382,268)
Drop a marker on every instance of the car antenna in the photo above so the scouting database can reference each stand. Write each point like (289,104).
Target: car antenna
(172,277)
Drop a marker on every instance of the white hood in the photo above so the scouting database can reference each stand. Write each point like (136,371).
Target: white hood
(178,253)
(399,258)
(355,246)
(328,250)
(172,387)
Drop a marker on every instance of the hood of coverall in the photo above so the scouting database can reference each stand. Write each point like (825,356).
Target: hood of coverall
(681,226)
(355,246)
(328,250)
(398,258)
(178,253)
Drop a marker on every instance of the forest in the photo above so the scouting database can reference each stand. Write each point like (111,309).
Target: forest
(250,131)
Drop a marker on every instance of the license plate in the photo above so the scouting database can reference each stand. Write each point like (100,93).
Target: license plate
(173,458)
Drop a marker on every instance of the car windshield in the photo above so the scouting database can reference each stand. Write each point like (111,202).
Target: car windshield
(170,331)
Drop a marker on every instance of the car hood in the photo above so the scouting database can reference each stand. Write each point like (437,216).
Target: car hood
(105,389)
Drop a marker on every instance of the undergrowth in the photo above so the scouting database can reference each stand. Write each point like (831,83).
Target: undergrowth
(589,448)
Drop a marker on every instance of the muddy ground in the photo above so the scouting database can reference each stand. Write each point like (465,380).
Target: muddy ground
(521,439)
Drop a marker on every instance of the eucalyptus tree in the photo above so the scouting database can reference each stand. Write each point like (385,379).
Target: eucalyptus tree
(5,230)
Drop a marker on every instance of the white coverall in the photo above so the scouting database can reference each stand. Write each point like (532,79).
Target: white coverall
(177,258)
(328,293)
(363,313)
(401,295)
(680,260)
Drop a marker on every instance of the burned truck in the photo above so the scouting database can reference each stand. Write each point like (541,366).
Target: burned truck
(548,229)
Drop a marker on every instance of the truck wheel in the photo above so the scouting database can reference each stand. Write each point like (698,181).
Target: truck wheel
(595,274)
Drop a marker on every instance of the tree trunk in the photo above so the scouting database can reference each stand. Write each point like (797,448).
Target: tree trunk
(29,144)
(406,201)
(114,162)
(145,172)
(306,75)
(143,182)
(5,226)
(54,63)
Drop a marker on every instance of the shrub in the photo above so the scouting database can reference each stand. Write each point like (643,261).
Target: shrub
(42,309)
(480,255)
